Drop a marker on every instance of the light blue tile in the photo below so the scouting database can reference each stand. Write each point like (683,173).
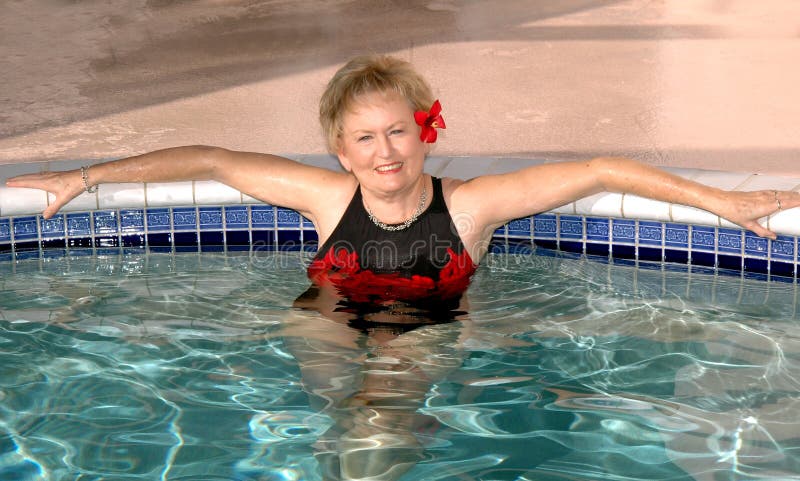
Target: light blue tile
(597,230)
(236,217)
(651,233)
(79,225)
(545,226)
(210,218)
(500,232)
(307,224)
(703,238)
(729,241)
(53,227)
(570,227)
(676,235)
(25,228)
(105,222)
(131,220)
(5,230)
(158,220)
(288,219)
(623,231)
(262,216)
(783,248)
(184,218)
(755,246)
(520,228)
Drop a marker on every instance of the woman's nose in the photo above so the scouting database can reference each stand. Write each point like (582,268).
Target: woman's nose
(385,147)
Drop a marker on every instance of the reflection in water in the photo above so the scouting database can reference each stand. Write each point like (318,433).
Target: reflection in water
(370,367)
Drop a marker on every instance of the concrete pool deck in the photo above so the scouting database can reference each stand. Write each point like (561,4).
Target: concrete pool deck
(705,84)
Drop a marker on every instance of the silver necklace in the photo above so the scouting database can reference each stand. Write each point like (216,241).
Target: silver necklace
(395,227)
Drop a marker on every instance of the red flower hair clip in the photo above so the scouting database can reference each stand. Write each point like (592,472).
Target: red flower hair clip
(430,121)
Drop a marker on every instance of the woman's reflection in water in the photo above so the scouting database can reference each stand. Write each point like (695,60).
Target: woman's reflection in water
(369,367)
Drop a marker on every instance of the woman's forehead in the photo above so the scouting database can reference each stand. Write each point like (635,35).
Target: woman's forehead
(374,104)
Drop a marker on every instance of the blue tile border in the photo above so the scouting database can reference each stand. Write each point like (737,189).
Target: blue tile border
(265,227)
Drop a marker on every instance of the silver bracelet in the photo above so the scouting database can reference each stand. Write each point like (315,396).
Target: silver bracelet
(85,177)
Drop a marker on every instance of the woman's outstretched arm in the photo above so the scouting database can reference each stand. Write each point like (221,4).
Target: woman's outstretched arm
(272,179)
(496,199)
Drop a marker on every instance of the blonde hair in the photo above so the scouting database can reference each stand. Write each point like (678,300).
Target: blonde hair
(366,74)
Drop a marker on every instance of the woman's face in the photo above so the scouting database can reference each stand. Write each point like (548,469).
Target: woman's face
(380,143)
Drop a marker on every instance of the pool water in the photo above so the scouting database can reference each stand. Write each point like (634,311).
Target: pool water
(197,367)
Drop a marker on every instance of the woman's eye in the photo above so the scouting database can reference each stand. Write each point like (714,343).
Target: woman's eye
(396,132)
(364,138)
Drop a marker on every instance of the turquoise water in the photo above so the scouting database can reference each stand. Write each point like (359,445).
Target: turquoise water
(197,367)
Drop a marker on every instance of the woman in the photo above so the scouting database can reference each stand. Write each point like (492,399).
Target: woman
(384,222)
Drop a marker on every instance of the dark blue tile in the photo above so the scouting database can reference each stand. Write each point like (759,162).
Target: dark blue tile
(676,256)
(570,227)
(106,241)
(210,218)
(288,219)
(289,239)
(676,235)
(212,248)
(26,246)
(133,240)
(307,224)
(262,216)
(5,230)
(79,243)
(729,240)
(782,248)
(159,240)
(184,219)
(158,220)
(131,220)
(500,233)
(545,226)
(624,261)
(677,267)
(263,238)
(755,246)
(783,269)
(133,250)
(497,248)
(237,238)
(185,239)
(55,226)
(598,229)
(310,246)
(650,254)
(212,238)
(755,265)
(729,262)
(5,248)
(25,228)
(108,251)
(623,231)
(700,258)
(756,275)
(650,265)
(519,227)
(59,243)
(79,225)
(700,269)
(651,233)
(570,246)
(236,217)
(160,249)
(105,222)
(546,244)
(597,249)
(310,236)
(622,251)
(520,247)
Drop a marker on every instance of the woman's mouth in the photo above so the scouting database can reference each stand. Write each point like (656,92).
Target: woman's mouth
(388,168)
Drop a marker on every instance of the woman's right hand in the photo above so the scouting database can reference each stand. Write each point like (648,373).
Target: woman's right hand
(64,185)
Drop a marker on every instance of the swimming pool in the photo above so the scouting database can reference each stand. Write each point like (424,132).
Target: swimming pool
(196,366)
(148,333)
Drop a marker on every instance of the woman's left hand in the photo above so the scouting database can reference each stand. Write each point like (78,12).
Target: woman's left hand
(746,208)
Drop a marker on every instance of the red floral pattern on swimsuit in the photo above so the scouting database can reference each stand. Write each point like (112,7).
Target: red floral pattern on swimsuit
(341,269)
(430,121)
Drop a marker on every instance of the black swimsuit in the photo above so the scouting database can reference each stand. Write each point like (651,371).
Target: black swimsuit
(426,262)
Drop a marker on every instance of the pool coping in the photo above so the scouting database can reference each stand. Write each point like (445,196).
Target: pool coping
(208,216)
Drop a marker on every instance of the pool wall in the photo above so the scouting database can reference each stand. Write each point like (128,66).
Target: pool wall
(211,217)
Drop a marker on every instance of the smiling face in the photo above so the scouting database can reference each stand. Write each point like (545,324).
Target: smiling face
(380,143)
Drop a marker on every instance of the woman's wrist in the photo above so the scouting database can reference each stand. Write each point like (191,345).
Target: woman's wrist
(90,187)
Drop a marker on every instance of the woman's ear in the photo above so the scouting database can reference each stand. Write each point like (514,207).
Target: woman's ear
(344,161)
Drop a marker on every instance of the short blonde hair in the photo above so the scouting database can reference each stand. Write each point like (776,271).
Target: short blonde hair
(366,74)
